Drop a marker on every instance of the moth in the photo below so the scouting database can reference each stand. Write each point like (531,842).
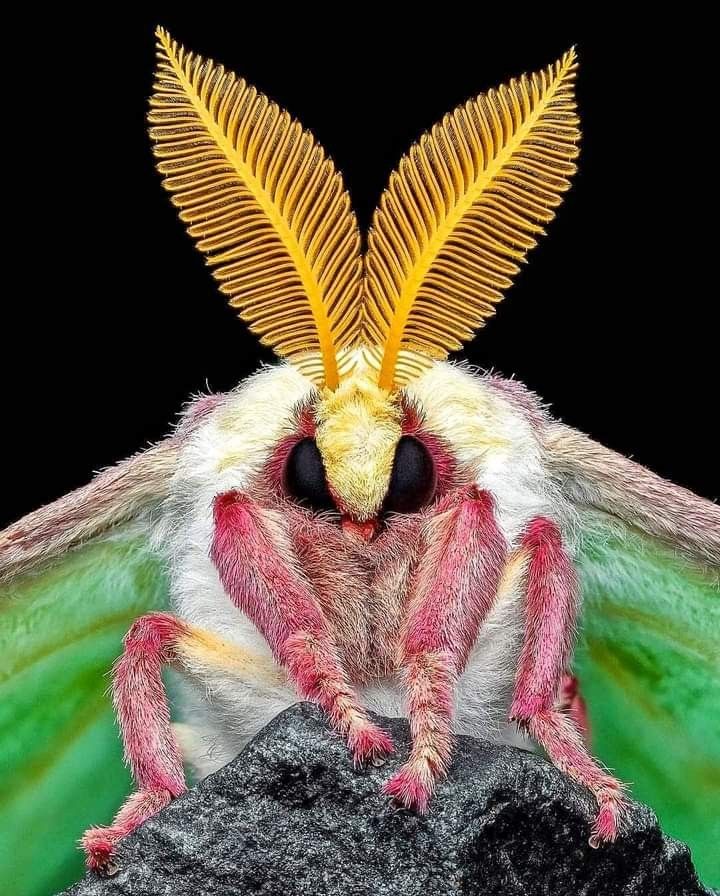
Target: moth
(368,525)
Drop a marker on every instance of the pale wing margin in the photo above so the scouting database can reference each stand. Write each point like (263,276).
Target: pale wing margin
(114,496)
(594,476)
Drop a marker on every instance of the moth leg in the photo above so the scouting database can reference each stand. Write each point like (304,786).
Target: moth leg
(551,605)
(144,718)
(151,744)
(454,589)
(571,702)
(259,572)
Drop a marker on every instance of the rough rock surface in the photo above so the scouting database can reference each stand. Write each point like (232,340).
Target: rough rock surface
(291,816)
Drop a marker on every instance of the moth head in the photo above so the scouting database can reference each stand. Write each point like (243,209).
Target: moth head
(268,209)
(363,453)
(359,426)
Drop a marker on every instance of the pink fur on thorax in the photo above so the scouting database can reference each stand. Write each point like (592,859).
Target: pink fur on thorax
(361,588)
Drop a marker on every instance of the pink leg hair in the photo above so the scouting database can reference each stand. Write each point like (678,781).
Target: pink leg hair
(551,607)
(455,587)
(571,701)
(144,717)
(259,572)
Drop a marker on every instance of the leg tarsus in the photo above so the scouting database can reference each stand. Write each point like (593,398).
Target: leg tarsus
(318,675)
(369,743)
(430,691)
(412,785)
(144,718)
(563,743)
(99,847)
(99,843)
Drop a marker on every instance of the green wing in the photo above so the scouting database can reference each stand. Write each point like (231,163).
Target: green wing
(648,662)
(648,656)
(75,576)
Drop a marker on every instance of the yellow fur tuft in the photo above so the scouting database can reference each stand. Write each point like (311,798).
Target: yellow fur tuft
(358,428)
(201,650)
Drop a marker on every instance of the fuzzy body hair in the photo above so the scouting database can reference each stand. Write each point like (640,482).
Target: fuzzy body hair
(494,433)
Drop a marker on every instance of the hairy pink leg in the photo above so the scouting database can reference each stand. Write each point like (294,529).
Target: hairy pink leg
(144,718)
(455,586)
(571,701)
(259,572)
(551,606)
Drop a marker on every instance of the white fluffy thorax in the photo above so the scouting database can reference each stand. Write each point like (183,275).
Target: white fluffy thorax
(493,430)
(495,438)
(223,452)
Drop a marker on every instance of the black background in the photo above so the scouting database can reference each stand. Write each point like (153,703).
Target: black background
(114,320)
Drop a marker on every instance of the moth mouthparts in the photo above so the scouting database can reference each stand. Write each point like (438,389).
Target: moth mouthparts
(366,530)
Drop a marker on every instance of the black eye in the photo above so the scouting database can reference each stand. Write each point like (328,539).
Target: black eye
(413,479)
(305,476)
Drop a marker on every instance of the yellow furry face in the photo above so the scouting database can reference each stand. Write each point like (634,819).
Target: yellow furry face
(358,428)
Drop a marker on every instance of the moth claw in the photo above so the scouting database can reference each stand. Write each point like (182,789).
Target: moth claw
(410,789)
(100,853)
(370,745)
(110,869)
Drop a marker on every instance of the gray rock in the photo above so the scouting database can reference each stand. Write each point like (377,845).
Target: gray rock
(291,816)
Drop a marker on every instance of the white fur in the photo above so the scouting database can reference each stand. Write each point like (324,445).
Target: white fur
(491,437)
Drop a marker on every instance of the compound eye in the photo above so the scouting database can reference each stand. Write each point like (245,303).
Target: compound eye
(305,478)
(413,479)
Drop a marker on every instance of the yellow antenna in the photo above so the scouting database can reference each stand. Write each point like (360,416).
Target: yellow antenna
(462,209)
(264,204)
